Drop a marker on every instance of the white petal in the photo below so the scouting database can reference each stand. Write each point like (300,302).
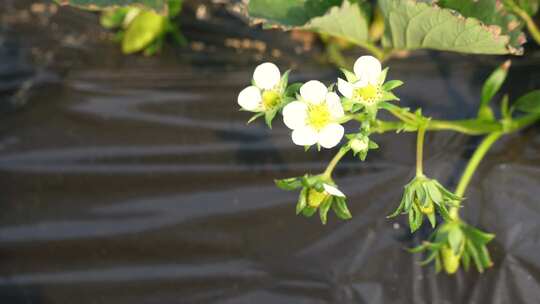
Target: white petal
(266,76)
(295,114)
(313,91)
(368,68)
(345,88)
(333,190)
(331,135)
(360,83)
(250,98)
(334,105)
(304,136)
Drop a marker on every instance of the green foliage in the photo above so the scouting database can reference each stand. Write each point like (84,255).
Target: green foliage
(493,13)
(480,27)
(412,25)
(289,13)
(529,103)
(160,6)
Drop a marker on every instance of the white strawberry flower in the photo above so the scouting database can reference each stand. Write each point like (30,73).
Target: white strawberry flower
(265,93)
(365,85)
(314,118)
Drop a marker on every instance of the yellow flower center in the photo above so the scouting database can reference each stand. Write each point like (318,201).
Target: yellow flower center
(315,198)
(270,100)
(318,116)
(369,93)
(427,210)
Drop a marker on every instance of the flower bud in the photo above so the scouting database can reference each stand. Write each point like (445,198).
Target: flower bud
(359,144)
(450,259)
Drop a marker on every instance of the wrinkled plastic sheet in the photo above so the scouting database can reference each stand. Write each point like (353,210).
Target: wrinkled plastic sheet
(136,180)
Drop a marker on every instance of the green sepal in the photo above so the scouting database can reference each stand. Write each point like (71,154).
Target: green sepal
(349,76)
(392,84)
(254,117)
(455,239)
(269,116)
(323,209)
(388,96)
(302,201)
(308,211)
(288,184)
(293,89)
(283,82)
(432,219)
(382,76)
(340,208)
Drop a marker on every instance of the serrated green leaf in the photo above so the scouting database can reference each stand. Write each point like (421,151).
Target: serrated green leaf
(289,12)
(338,18)
(144,29)
(413,25)
(529,103)
(492,13)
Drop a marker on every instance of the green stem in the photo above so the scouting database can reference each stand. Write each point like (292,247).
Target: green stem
(472,165)
(531,26)
(330,168)
(475,161)
(420,150)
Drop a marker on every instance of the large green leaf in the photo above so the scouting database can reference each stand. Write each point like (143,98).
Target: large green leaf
(493,13)
(413,24)
(289,12)
(348,21)
(160,6)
